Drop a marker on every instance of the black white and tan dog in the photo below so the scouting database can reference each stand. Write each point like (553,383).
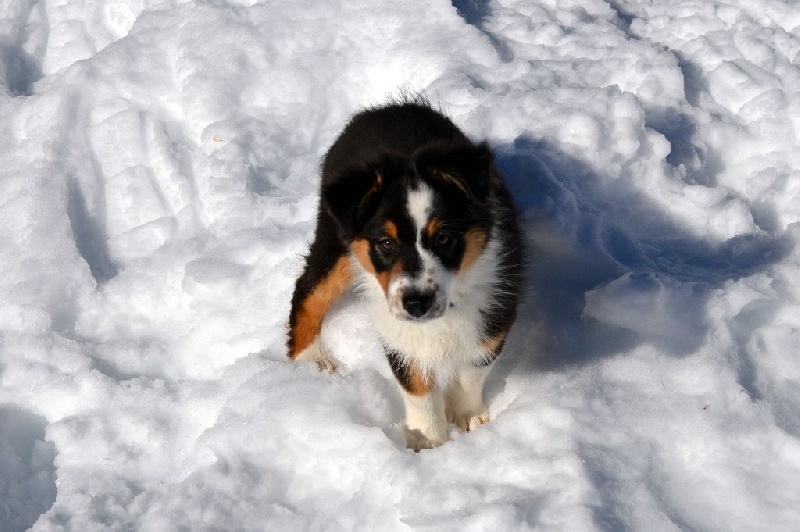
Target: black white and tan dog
(416,217)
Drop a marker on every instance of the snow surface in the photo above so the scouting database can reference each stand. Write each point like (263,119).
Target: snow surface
(159,178)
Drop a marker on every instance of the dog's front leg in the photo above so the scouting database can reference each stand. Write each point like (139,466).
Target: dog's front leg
(465,406)
(426,424)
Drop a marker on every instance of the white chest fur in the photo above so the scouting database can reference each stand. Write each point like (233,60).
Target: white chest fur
(446,344)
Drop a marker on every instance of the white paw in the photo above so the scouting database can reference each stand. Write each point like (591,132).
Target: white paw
(416,440)
(326,364)
(470,420)
(319,355)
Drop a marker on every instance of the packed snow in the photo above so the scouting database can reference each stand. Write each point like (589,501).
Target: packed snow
(159,189)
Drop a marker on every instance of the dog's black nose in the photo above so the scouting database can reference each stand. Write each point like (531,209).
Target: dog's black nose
(417,303)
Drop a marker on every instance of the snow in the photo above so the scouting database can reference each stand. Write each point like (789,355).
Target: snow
(159,169)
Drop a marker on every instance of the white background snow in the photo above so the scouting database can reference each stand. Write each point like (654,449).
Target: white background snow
(158,184)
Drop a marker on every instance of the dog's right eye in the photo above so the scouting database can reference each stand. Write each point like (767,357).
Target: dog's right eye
(387,246)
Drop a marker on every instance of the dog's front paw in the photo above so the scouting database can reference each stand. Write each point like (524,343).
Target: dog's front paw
(470,420)
(416,440)
(319,355)
(326,364)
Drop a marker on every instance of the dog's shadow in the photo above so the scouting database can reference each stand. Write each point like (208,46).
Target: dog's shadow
(585,231)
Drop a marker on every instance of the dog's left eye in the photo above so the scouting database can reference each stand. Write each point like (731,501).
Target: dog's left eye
(444,240)
(387,245)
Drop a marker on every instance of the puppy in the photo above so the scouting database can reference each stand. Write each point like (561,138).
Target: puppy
(416,217)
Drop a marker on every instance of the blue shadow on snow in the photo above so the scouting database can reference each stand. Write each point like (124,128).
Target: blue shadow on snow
(584,231)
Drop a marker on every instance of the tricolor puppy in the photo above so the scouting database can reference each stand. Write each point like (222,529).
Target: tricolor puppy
(417,218)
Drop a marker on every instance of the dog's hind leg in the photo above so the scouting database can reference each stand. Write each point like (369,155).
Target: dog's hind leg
(328,275)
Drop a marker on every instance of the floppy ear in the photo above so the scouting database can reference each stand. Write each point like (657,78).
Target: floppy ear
(353,198)
(466,167)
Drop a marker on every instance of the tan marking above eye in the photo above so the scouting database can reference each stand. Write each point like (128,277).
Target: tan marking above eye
(433,227)
(390,228)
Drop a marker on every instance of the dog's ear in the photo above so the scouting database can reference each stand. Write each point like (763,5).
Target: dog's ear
(353,198)
(466,167)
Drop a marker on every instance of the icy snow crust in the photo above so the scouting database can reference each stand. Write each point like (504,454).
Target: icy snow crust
(159,178)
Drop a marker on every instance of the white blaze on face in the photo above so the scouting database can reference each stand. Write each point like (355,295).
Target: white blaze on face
(433,278)
(420,204)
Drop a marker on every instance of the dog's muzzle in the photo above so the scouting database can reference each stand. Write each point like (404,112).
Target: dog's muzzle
(422,305)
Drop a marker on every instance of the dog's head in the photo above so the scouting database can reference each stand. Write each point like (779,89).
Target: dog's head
(416,223)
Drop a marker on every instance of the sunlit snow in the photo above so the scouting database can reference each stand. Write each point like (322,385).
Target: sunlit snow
(159,172)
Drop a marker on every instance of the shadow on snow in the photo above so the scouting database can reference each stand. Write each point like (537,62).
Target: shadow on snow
(27,470)
(584,233)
